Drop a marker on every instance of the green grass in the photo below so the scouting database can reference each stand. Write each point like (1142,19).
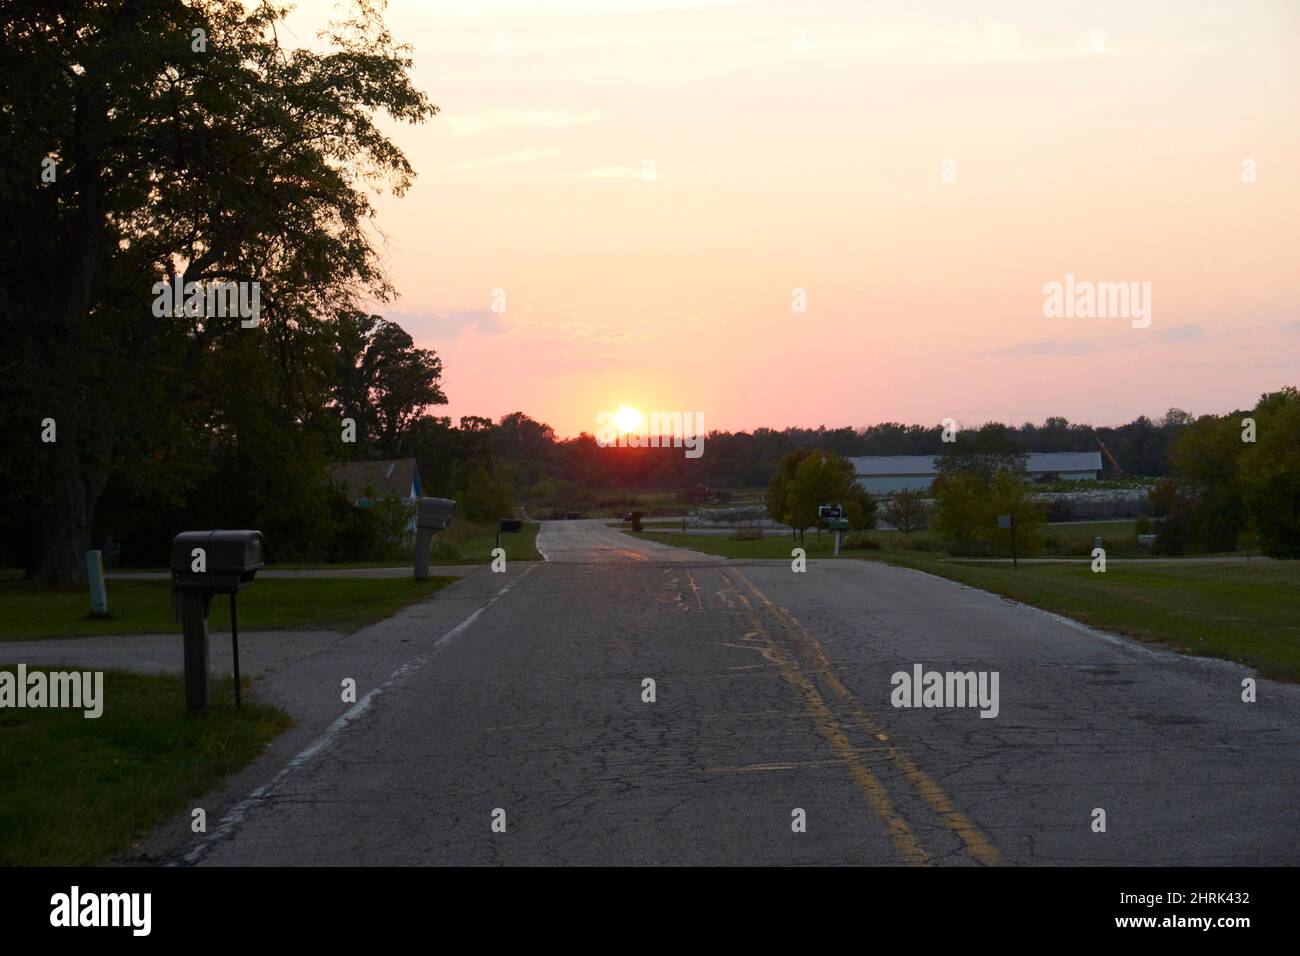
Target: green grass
(79,792)
(1056,540)
(467,543)
(464,542)
(145,607)
(1247,612)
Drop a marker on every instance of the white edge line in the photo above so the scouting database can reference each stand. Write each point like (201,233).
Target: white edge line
(239,813)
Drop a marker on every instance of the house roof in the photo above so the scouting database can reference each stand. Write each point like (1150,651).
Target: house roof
(361,479)
(1039,463)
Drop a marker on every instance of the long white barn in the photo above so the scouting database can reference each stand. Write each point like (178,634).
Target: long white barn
(886,473)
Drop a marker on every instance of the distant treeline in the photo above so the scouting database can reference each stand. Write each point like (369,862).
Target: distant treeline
(736,459)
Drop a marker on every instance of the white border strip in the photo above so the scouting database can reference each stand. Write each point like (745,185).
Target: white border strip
(239,813)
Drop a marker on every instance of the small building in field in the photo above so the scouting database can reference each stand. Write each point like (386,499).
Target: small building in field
(883,474)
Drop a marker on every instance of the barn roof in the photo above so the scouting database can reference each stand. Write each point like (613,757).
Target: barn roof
(1039,463)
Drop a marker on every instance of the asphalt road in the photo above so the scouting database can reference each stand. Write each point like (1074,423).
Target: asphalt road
(772,696)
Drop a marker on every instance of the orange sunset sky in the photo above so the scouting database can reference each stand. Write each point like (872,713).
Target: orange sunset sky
(804,145)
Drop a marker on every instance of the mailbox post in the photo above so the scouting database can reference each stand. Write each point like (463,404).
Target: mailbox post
(206,563)
(833,515)
(431,516)
(1009,521)
(508,526)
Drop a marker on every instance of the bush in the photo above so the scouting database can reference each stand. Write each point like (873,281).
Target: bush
(1173,513)
(967,506)
(857,541)
(636,521)
(1270,475)
(483,498)
(906,511)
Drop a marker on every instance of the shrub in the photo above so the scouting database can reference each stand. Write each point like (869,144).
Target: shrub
(857,541)
(967,506)
(906,511)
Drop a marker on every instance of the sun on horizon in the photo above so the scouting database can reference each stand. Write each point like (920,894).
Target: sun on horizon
(628,420)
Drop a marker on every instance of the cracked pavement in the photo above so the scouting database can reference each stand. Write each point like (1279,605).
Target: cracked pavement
(772,693)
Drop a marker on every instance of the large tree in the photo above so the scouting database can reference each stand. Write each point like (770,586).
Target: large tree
(821,478)
(150,139)
(990,451)
(384,383)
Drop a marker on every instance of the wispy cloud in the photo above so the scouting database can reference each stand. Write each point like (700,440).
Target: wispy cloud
(520,157)
(1177,335)
(1181,333)
(450,323)
(510,119)
(578,330)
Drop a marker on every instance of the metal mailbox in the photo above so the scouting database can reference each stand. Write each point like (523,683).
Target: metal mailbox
(431,516)
(433,513)
(231,560)
(508,526)
(206,563)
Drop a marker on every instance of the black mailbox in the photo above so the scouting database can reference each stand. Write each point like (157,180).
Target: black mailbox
(511,525)
(230,560)
(205,563)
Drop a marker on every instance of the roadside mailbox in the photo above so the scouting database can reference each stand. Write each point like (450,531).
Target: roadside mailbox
(204,564)
(431,516)
(508,526)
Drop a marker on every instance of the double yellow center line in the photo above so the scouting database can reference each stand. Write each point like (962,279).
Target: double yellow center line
(976,845)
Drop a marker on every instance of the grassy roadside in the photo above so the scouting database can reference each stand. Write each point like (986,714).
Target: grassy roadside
(464,542)
(78,792)
(144,607)
(467,543)
(1247,612)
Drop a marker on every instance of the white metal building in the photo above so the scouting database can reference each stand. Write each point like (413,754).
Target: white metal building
(882,474)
